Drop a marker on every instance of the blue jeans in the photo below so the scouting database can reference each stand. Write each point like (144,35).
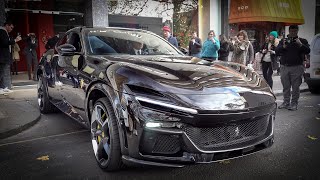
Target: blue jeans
(196,55)
(5,76)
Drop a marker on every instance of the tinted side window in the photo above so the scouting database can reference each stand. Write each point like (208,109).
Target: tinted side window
(74,39)
(316,46)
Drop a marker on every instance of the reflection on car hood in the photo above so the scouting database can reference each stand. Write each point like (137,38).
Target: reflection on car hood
(215,86)
(181,75)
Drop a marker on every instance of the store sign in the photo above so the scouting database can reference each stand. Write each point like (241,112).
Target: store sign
(284,5)
(243,8)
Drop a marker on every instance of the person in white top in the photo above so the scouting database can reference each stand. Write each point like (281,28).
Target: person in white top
(269,56)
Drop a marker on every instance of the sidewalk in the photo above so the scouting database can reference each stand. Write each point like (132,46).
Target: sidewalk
(19,110)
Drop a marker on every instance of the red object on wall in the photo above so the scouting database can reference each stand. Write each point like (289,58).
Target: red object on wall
(45,30)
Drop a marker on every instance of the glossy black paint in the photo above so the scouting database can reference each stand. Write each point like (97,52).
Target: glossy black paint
(222,93)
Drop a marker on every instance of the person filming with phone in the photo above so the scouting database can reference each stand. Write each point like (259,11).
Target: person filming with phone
(5,56)
(292,51)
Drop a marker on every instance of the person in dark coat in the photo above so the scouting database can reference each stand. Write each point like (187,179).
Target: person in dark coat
(292,51)
(52,42)
(31,55)
(195,45)
(5,55)
(224,48)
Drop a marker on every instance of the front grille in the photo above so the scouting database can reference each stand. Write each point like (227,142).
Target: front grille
(166,144)
(231,135)
(157,143)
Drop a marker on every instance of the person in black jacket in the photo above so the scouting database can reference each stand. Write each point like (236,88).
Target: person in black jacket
(5,55)
(195,45)
(52,42)
(224,48)
(30,51)
(292,51)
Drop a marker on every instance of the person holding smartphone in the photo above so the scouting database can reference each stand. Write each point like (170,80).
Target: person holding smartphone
(210,47)
(5,56)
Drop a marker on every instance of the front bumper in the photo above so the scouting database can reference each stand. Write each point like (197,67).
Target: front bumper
(193,158)
(187,144)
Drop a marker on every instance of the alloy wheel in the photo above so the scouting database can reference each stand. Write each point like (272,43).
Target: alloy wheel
(100,134)
(40,93)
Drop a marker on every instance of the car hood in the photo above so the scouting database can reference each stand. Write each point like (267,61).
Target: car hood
(190,80)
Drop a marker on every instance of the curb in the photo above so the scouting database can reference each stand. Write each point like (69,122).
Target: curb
(18,130)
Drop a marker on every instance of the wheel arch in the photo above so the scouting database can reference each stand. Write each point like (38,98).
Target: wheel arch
(99,90)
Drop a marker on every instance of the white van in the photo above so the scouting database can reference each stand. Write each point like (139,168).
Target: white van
(312,73)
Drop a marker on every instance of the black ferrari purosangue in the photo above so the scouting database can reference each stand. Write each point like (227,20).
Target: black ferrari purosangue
(147,103)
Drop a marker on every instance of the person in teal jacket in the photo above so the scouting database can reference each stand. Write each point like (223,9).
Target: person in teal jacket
(210,47)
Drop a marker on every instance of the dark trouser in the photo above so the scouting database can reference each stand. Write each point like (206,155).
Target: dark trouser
(267,72)
(291,77)
(32,58)
(14,67)
(5,76)
(223,58)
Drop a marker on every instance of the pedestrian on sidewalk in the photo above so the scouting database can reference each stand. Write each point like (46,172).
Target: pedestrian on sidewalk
(16,58)
(31,55)
(292,51)
(167,35)
(224,48)
(210,47)
(195,45)
(243,52)
(269,56)
(5,56)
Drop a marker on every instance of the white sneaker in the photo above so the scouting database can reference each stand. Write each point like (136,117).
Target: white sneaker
(1,91)
(6,90)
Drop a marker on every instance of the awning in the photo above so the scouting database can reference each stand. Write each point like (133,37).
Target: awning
(285,11)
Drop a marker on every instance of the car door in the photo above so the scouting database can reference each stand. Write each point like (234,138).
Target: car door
(72,82)
(53,73)
(315,58)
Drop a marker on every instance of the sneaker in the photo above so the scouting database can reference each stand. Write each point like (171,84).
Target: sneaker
(6,90)
(284,105)
(293,107)
(1,91)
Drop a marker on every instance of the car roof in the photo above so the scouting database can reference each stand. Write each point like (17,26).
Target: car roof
(80,28)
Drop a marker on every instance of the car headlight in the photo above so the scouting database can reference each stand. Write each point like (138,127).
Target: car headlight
(152,115)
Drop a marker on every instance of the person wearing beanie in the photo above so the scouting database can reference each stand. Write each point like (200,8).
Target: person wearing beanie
(292,51)
(167,35)
(269,56)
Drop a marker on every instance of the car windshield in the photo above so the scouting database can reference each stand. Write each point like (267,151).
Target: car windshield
(122,41)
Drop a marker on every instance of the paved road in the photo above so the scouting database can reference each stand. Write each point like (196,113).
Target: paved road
(58,148)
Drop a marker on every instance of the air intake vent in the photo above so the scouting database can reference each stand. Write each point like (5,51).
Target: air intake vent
(142,90)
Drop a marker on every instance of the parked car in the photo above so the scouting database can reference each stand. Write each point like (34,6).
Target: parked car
(312,73)
(159,108)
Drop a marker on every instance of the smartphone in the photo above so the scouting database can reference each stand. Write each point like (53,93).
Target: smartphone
(18,34)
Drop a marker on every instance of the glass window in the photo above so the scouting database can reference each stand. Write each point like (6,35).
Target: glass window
(316,46)
(111,41)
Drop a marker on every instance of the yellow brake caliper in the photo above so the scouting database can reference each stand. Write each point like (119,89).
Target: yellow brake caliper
(99,127)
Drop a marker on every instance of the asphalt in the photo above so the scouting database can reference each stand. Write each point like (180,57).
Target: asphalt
(19,110)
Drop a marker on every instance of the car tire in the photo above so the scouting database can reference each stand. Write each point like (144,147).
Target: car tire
(44,103)
(314,90)
(105,136)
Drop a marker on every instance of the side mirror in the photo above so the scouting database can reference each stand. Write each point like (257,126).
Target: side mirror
(66,50)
